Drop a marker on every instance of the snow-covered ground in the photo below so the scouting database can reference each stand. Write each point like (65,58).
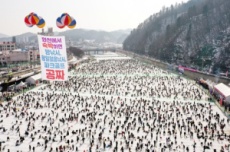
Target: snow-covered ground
(114,103)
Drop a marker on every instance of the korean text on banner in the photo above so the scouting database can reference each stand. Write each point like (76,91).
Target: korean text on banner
(54,63)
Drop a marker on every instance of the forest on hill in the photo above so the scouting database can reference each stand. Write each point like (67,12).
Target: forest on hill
(193,34)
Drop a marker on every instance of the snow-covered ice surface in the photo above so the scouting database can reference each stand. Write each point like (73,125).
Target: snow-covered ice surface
(110,56)
(114,103)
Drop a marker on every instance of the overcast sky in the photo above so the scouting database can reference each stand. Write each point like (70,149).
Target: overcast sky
(90,14)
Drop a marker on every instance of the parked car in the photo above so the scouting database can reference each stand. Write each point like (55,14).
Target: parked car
(14,69)
(3,74)
(11,88)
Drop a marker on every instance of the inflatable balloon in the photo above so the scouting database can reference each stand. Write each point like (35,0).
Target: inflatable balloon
(65,20)
(41,23)
(72,24)
(33,19)
(59,23)
(27,22)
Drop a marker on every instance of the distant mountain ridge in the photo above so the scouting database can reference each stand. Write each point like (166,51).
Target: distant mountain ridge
(99,36)
(19,38)
(3,35)
(79,34)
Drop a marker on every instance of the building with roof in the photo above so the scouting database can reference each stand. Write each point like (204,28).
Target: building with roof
(19,55)
(48,33)
(7,46)
(223,91)
(35,79)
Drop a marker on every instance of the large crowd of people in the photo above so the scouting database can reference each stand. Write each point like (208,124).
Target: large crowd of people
(129,78)
(117,106)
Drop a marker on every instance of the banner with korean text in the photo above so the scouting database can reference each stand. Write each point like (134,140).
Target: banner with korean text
(54,62)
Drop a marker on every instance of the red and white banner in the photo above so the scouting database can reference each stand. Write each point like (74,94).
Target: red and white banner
(54,62)
(187,69)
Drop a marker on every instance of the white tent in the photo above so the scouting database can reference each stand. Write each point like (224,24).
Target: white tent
(20,85)
(34,79)
(223,90)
